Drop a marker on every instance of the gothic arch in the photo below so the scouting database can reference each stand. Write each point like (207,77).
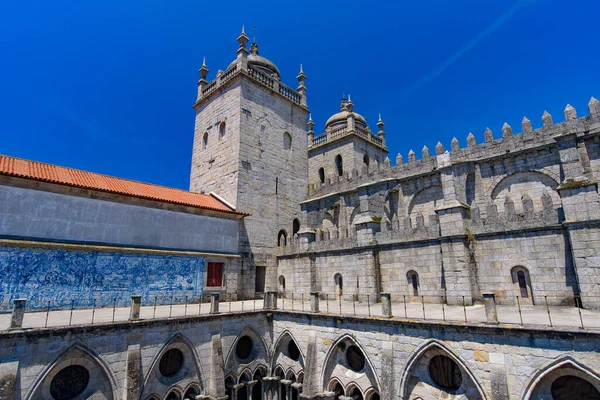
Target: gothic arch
(368,373)
(525,181)
(547,174)
(175,391)
(557,367)
(281,357)
(440,349)
(190,373)
(425,201)
(355,212)
(260,354)
(87,357)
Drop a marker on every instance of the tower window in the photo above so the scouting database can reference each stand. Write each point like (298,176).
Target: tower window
(222,129)
(282,238)
(322,175)
(287,141)
(205,140)
(366,160)
(295,226)
(339,165)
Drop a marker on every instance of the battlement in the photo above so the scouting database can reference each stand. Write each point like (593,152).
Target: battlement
(528,140)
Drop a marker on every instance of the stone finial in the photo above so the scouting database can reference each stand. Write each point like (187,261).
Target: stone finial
(594,107)
(455,145)
(425,152)
(399,159)
(301,77)
(509,206)
(387,163)
(419,220)
(527,204)
(546,119)
(506,130)
(547,203)
(526,125)
(471,141)
(349,104)
(243,39)
(570,113)
(439,149)
(474,211)
(488,135)
(203,70)
(412,157)
(310,123)
(380,124)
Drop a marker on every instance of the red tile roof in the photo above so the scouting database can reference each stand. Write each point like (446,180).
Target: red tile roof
(39,171)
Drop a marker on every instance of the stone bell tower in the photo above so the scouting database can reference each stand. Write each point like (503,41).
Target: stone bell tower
(250,148)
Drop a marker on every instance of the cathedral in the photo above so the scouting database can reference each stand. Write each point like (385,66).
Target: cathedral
(279,209)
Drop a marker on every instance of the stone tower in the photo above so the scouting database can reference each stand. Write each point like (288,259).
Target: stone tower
(250,148)
(346,148)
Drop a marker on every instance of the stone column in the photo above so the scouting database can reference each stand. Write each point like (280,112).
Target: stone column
(134,314)
(314,302)
(249,386)
(235,389)
(214,303)
(9,387)
(489,300)
(386,305)
(133,371)
(18,312)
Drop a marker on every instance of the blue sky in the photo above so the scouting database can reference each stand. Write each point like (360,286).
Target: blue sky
(108,86)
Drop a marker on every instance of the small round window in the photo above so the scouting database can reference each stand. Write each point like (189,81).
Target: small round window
(293,350)
(445,372)
(69,382)
(355,358)
(244,347)
(171,362)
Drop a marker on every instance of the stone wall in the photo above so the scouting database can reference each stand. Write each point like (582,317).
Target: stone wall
(528,201)
(123,359)
(39,214)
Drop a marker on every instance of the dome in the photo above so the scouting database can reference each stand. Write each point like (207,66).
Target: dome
(259,62)
(343,115)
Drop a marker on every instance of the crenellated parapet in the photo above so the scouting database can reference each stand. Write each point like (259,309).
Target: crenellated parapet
(510,144)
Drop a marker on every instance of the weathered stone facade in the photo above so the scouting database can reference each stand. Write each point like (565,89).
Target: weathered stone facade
(463,222)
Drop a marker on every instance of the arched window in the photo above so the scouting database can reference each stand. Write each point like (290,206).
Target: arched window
(287,141)
(366,160)
(205,140)
(522,284)
(295,226)
(413,283)
(257,388)
(282,284)
(281,238)
(336,388)
(322,175)
(229,383)
(339,285)
(339,165)
(355,394)
(222,127)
